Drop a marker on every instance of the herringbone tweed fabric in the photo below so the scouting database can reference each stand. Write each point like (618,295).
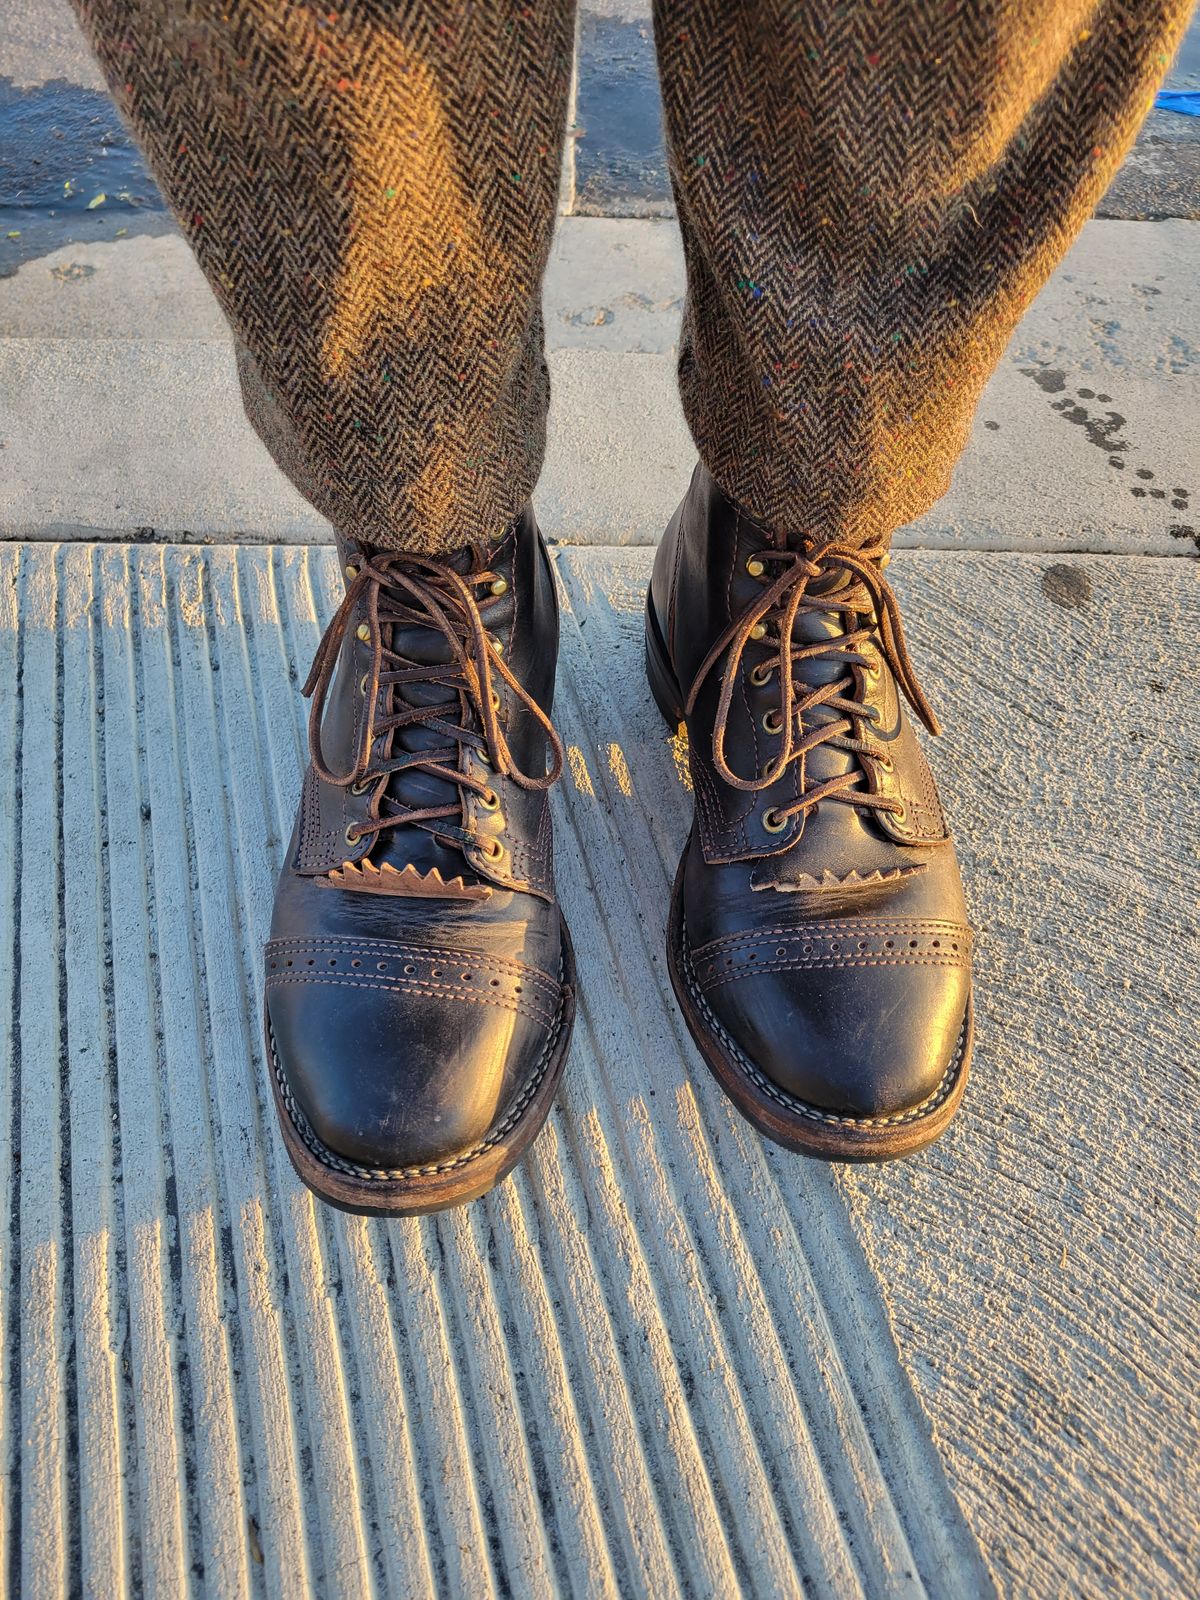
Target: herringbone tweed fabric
(370,188)
(870,195)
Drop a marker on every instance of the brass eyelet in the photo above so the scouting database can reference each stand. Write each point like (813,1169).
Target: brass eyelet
(361,786)
(900,817)
(351,570)
(772,721)
(363,632)
(761,675)
(492,849)
(352,835)
(500,586)
(495,701)
(497,645)
(758,631)
(872,667)
(755,567)
(490,801)
(773,822)
(364,683)
(886,764)
(773,769)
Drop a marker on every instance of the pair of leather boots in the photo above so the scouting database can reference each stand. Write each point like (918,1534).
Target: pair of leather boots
(420,980)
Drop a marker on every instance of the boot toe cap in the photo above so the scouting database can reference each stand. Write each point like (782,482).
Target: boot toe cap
(864,1042)
(404,1060)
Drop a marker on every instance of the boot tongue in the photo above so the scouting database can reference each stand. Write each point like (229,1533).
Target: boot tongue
(835,835)
(419,645)
(810,627)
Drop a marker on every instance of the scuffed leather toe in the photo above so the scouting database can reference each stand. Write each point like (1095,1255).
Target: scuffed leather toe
(438,1051)
(820,1013)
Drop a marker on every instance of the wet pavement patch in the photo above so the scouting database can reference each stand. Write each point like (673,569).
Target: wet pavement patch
(1161,175)
(69,173)
(620,162)
(1105,430)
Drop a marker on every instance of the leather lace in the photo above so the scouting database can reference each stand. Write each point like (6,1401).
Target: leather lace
(834,579)
(404,589)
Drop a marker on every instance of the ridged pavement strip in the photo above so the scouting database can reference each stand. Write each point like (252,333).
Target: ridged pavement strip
(654,1362)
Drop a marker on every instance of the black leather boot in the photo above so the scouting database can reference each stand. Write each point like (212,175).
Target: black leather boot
(818,939)
(419,976)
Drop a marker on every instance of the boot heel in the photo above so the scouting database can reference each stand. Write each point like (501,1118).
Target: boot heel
(663,686)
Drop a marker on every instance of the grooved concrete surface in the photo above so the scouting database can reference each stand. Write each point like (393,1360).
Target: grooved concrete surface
(665,1358)
(654,1363)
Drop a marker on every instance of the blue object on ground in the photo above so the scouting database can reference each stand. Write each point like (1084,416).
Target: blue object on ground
(1186,101)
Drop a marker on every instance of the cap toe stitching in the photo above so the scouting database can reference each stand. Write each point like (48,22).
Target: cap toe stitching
(715,978)
(400,984)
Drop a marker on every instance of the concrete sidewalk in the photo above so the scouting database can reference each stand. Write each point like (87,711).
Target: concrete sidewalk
(120,411)
(665,1358)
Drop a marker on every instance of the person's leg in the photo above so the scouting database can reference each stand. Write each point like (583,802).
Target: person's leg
(370,190)
(870,195)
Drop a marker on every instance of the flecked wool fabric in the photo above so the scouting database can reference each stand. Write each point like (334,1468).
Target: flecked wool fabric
(870,192)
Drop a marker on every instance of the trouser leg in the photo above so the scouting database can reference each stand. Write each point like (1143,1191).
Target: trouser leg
(871,194)
(370,191)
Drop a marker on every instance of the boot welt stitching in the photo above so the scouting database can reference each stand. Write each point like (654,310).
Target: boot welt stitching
(328,1158)
(814,1113)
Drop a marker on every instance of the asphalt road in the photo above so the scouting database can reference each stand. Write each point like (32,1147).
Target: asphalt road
(62,148)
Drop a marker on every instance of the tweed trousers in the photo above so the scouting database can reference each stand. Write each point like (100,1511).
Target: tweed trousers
(870,194)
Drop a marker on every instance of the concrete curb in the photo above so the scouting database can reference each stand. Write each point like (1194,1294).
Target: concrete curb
(120,413)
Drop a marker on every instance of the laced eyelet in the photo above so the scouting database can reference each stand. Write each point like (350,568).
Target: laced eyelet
(772,721)
(900,817)
(492,849)
(490,801)
(773,769)
(352,835)
(886,764)
(773,822)
(761,675)
(361,786)
(364,683)
(755,567)
(872,667)
(497,645)
(495,701)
